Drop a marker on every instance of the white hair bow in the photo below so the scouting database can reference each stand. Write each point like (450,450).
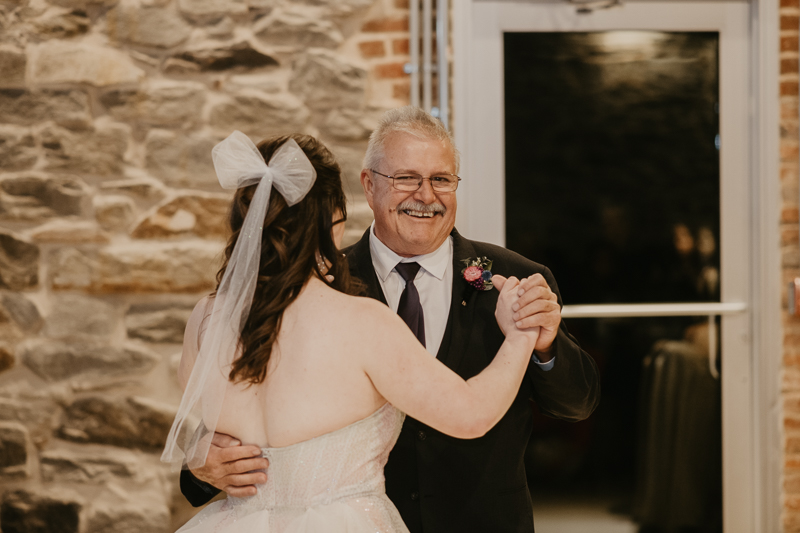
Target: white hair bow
(238,163)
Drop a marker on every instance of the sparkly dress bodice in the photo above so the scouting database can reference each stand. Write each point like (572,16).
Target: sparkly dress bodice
(330,483)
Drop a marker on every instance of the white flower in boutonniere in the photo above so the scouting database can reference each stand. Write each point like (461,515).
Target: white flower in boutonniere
(478,273)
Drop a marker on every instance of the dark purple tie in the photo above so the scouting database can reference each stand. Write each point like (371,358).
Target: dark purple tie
(410,308)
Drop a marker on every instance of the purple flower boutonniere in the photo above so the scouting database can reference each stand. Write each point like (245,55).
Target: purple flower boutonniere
(478,273)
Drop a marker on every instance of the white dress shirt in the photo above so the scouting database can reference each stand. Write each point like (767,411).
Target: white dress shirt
(434,282)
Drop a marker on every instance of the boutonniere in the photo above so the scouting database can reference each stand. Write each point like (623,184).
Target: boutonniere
(478,273)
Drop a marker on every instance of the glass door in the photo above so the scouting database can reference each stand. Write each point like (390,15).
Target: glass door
(612,147)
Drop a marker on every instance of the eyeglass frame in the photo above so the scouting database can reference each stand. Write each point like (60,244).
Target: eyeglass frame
(422,179)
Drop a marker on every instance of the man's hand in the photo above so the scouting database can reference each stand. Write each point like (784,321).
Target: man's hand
(231,467)
(538,306)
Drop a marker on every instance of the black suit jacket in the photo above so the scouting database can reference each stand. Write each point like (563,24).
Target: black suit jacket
(440,483)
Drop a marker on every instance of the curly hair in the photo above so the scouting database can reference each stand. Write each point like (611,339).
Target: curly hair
(290,238)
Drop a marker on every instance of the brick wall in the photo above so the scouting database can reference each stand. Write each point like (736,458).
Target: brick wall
(790,259)
(384,46)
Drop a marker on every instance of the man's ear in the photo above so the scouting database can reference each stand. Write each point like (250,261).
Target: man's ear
(367,185)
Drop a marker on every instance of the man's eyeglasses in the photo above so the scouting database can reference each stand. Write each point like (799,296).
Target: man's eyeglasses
(412,182)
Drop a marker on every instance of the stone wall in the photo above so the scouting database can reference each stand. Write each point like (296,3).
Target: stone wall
(791,260)
(112,224)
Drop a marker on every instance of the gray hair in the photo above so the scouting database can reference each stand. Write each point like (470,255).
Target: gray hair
(411,120)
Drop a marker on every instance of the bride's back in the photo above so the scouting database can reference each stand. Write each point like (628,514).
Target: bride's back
(315,380)
(308,359)
(280,323)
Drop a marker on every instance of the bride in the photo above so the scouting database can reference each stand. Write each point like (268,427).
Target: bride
(283,356)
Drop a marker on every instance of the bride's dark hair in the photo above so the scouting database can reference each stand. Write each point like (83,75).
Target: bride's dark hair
(290,240)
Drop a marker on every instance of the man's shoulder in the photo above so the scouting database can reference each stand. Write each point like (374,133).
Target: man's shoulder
(359,247)
(505,260)
(349,251)
(509,263)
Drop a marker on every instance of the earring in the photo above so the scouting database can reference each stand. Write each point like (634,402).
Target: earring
(321,265)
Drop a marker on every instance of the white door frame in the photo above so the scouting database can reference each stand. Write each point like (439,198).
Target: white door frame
(752,444)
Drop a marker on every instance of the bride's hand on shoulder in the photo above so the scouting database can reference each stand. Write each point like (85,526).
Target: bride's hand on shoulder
(504,312)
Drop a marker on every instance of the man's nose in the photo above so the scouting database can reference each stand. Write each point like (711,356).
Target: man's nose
(425,193)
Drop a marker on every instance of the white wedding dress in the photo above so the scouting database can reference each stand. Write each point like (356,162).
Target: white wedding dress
(331,483)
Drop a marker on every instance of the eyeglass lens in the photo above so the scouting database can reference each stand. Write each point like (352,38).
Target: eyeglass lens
(412,182)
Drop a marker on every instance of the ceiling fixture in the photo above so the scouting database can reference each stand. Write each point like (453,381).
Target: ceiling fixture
(588,6)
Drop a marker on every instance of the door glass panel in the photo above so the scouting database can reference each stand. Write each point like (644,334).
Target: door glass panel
(612,162)
(613,181)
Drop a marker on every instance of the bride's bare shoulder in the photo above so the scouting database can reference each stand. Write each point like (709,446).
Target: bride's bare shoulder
(198,320)
(203,306)
(361,308)
(365,305)
(374,316)
(355,314)
(193,336)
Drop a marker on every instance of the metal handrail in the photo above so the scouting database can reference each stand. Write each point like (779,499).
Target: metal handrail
(654,310)
(710,309)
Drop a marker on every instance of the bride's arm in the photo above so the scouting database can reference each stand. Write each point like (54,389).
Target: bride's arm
(229,466)
(192,336)
(417,383)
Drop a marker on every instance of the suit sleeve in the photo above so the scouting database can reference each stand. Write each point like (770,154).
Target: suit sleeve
(195,491)
(571,389)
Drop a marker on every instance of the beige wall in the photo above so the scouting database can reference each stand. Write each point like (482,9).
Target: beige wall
(111,221)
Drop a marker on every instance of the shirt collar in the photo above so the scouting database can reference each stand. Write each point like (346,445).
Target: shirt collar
(384,259)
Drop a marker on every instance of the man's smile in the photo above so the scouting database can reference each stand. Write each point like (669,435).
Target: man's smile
(420,210)
(419,214)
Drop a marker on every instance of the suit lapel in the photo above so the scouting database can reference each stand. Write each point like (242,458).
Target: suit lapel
(462,307)
(462,301)
(360,260)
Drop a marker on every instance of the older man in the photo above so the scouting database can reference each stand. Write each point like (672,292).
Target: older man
(412,259)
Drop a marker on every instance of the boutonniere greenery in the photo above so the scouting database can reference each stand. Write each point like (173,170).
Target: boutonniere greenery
(478,273)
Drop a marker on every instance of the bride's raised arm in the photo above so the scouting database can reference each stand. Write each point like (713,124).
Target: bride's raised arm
(417,383)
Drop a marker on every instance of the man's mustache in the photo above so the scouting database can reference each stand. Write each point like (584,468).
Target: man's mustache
(413,205)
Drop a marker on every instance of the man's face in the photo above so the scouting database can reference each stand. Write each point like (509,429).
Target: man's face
(402,218)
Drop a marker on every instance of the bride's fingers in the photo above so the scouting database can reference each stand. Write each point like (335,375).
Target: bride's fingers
(498,281)
(503,312)
(509,284)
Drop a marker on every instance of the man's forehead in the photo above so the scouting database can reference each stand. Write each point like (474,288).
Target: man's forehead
(402,151)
